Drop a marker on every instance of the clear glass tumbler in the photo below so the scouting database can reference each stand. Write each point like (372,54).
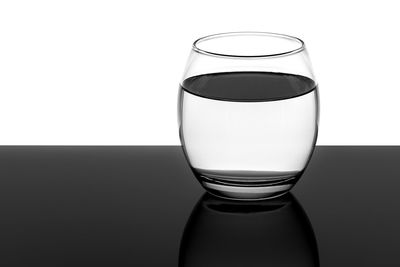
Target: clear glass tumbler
(248,113)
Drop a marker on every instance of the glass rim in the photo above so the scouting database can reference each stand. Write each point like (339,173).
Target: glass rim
(301,47)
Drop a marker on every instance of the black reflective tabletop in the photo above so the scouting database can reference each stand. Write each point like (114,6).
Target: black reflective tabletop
(141,206)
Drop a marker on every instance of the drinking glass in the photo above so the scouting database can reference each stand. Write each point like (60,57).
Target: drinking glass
(248,113)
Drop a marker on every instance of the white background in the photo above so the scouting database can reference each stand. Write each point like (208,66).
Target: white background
(107,72)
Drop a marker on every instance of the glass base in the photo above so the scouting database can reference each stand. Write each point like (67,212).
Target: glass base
(249,189)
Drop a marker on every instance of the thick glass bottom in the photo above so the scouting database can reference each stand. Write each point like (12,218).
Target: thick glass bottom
(248,188)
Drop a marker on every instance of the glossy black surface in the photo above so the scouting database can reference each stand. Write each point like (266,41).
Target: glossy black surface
(141,206)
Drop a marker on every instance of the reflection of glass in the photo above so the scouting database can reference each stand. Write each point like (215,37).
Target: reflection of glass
(275,233)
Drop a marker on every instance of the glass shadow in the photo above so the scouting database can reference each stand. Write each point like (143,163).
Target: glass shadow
(274,232)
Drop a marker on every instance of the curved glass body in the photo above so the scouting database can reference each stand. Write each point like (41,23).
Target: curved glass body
(248,113)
